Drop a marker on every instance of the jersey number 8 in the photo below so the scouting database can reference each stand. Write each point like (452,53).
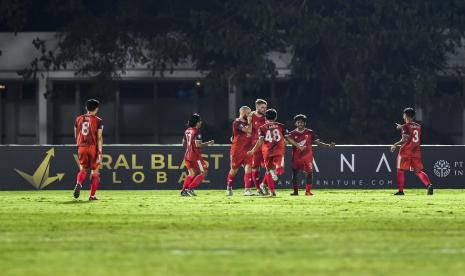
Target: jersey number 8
(85,128)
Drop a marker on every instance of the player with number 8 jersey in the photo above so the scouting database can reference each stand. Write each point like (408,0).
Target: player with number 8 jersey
(88,130)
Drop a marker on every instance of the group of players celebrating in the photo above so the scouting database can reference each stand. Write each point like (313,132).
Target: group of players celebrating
(258,141)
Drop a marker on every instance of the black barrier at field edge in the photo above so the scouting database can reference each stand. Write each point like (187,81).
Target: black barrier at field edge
(141,167)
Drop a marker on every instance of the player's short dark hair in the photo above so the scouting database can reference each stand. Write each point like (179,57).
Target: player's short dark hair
(300,117)
(410,112)
(271,114)
(92,104)
(195,118)
(260,101)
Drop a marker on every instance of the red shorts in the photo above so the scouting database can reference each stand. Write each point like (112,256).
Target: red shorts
(240,159)
(88,157)
(257,159)
(198,165)
(276,162)
(409,163)
(303,165)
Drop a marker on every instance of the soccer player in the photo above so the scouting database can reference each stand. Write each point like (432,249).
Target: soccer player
(88,130)
(409,157)
(241,144)
(255,120)
(272,145)
(302,161)
(195,164)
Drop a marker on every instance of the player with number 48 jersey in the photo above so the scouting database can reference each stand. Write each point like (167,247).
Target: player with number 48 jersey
(409,157)
(271,142)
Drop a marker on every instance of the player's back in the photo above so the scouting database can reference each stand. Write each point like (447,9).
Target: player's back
(87,127)
(240,139)
(273,134)
(412,147)
(192,151)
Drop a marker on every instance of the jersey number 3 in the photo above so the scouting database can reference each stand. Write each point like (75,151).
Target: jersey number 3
(415,136)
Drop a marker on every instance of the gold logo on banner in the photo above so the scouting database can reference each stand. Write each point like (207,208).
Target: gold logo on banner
(41,178)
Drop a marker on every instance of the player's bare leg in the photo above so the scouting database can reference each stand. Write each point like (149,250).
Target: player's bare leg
(81,176)
(425,179)
(232,173)
(295,182)
(94,183)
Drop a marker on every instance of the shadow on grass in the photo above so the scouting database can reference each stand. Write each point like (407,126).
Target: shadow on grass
(74,201)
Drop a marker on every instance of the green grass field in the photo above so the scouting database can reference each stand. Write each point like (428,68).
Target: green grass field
(343,232)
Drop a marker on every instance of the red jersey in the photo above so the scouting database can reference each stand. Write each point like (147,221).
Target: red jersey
(257,122)
(304,138)
(273,134)
(87,127)
(411,148)
(193,152)
(241,142)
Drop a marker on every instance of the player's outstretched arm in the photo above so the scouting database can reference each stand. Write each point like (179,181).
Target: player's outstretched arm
(256,147)
(325,145)
(201,144)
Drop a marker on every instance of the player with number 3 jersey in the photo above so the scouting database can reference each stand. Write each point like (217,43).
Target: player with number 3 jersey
(409,157)
(88,130)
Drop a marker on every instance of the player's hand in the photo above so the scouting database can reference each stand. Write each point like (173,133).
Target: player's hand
(250,153)
(211,142)
(301,148)
(99,158)
(393,148)
(398,126)
(332,145)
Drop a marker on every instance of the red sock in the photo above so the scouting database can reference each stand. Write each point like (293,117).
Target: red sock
(196,182)
(423,177)
(270,181)
(400,180)
(247,180)
(230,180)
(187,182)
(94,181)
(255,179)
(81,176)
(308,187)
